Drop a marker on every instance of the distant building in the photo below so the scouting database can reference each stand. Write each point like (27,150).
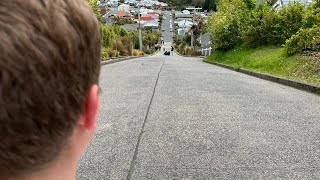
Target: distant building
(103,10)
(121,14)
(124,8)
(281,3)
(131,27)
(146,18)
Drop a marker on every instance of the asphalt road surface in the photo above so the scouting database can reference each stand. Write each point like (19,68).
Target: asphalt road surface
(170,117)
(167,32)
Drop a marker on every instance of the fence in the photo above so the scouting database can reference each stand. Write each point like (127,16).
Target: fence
(206,51)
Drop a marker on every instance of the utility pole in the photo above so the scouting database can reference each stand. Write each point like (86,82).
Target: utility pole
(140,33)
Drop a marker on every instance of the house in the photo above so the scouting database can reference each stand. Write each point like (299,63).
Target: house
(131,27)
(124,8)
(151,24)
(103,10)
(146,18)
(281,3)
(184,16)
(121,14)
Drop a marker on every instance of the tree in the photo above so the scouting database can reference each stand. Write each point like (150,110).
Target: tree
(96,10)
(210,5)
(197,28)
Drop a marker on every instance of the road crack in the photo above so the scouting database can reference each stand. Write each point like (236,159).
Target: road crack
(135,155)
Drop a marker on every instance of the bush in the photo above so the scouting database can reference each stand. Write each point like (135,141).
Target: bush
(305,40)
(118,46)
(104,54)
(223,25)
(290,19)
(136,52)
(268,26)
(187,50)
(107,35)
(238,21)
(112,53)
(148,50)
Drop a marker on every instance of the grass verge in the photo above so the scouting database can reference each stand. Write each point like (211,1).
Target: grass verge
(271,60)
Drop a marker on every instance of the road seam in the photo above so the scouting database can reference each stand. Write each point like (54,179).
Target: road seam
(131,170)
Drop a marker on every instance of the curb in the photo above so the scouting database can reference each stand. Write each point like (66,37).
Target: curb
(111,61)
(287,82)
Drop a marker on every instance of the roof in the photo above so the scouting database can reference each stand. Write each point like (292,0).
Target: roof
(131,27)
(185,23)
(184,15)
(158,11)
(146,18)
(149,15)
(121,14)
(151,24)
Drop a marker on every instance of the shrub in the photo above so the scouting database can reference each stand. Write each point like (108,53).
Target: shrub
(304,39)
(290,19)
(268,26)
(112,53)
(136,52)
(312,15)
(123,45)
(226,35)
(104,54)
(107,35)
(148,50)
(187,50)
(196,53)
(223,25)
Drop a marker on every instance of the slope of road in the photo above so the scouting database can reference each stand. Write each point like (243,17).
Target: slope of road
(203,122)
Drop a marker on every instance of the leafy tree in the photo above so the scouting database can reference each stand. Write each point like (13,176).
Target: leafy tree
(210,5)
(96,9)
(223,25)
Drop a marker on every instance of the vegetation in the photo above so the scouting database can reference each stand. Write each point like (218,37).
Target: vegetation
(183,45)
(271,60)
(209,5)
(116,41)
(242,22)
(122,21)
(150,40)
(95,8)
(284,41)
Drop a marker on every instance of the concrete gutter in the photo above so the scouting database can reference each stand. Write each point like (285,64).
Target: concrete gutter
(287,82)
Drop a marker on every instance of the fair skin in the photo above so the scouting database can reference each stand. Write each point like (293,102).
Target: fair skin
(65,165)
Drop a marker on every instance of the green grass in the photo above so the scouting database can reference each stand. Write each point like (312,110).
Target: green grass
(271,60)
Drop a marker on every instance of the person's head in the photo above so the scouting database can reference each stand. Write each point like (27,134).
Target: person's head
(49,69)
